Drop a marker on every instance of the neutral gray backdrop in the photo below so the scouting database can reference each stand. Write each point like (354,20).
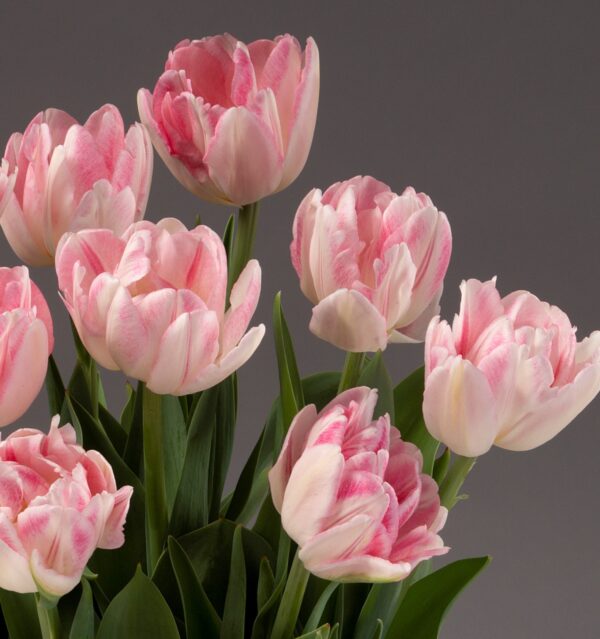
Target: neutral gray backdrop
(490,107)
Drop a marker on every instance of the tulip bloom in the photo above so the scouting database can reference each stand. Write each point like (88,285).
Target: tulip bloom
(234,122)
(509,372)
(372,262)
(66,177)
(152,303)
(58,503)
(26,341)
(352,495)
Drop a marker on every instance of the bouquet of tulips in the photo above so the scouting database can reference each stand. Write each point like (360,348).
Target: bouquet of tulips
(119,527)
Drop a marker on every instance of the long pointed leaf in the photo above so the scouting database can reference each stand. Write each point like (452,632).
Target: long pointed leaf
(428,600)
(234,615)
(20,615)
(83,622)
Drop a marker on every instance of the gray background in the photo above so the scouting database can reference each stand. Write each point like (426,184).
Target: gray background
(492,109)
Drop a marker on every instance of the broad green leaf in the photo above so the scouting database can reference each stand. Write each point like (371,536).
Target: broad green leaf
(139,610)
(234,614)
(114,430)
(375,375)
(83,622)
(174,435)
(428,600)
(192,501)
(350,598)
(55,387)
(408,401)
(290,386)
(381,602)
(201,620)
(129,408)
(20,615)
(266,583)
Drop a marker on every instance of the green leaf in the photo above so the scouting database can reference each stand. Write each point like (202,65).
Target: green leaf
(319,608)
(174,435)
(408,401)
(378,632)
(83,622)
(222,442)
(324,632)
(191,505)
(375,375)
(266,583)
(441,466)
(134,446)
(113,429)
(228,235)
(139,610)
(201,620)
(381,602)
(428,600)
(129,408)
(290,386)
(55,387)
(20,615)
(234,614)
(350,598)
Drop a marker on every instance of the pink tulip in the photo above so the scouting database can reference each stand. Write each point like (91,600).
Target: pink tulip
(26,341)
(372,262)
(67,177)
(352,495)
(509,372)
(234,123)
(58,503)
(152,303)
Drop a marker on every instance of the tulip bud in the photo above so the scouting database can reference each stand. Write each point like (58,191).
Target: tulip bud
(152,303)
(372,262)
(509,372)
(26,341)
(352,494)
(66,177)
(234,122)
(58,503)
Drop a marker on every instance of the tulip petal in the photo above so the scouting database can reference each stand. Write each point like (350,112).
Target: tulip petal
(242,158)
(459,408)
(14,566)
(348,320)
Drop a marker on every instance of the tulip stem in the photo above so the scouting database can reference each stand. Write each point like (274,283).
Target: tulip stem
(157,517)
(48,618)
(243,242)
(454,480)
(352,367)
(287,615)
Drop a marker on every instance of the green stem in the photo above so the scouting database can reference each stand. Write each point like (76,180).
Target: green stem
(243,242)
(454,480)
(48,618)
(157,517)
(351,372)
(287,615)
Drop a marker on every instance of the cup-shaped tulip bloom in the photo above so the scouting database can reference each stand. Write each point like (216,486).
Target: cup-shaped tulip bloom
(26,341)
(153,303)
(58,503)
(352,495)
(509,372)
(234,122)
(372,262)
(67,177)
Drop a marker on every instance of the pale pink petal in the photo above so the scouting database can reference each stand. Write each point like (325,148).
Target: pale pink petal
(304,116)
(311,491)
(293,446)
(348,320)
(459,408)
(243,299)
(244,172)
(14,565)
(112,534)
(304,223)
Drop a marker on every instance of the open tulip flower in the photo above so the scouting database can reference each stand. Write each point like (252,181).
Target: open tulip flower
(26,341)
(65,177)
(153,303)
(58,503)
(352,494)
(508,372)
(372,262)
(234,122)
